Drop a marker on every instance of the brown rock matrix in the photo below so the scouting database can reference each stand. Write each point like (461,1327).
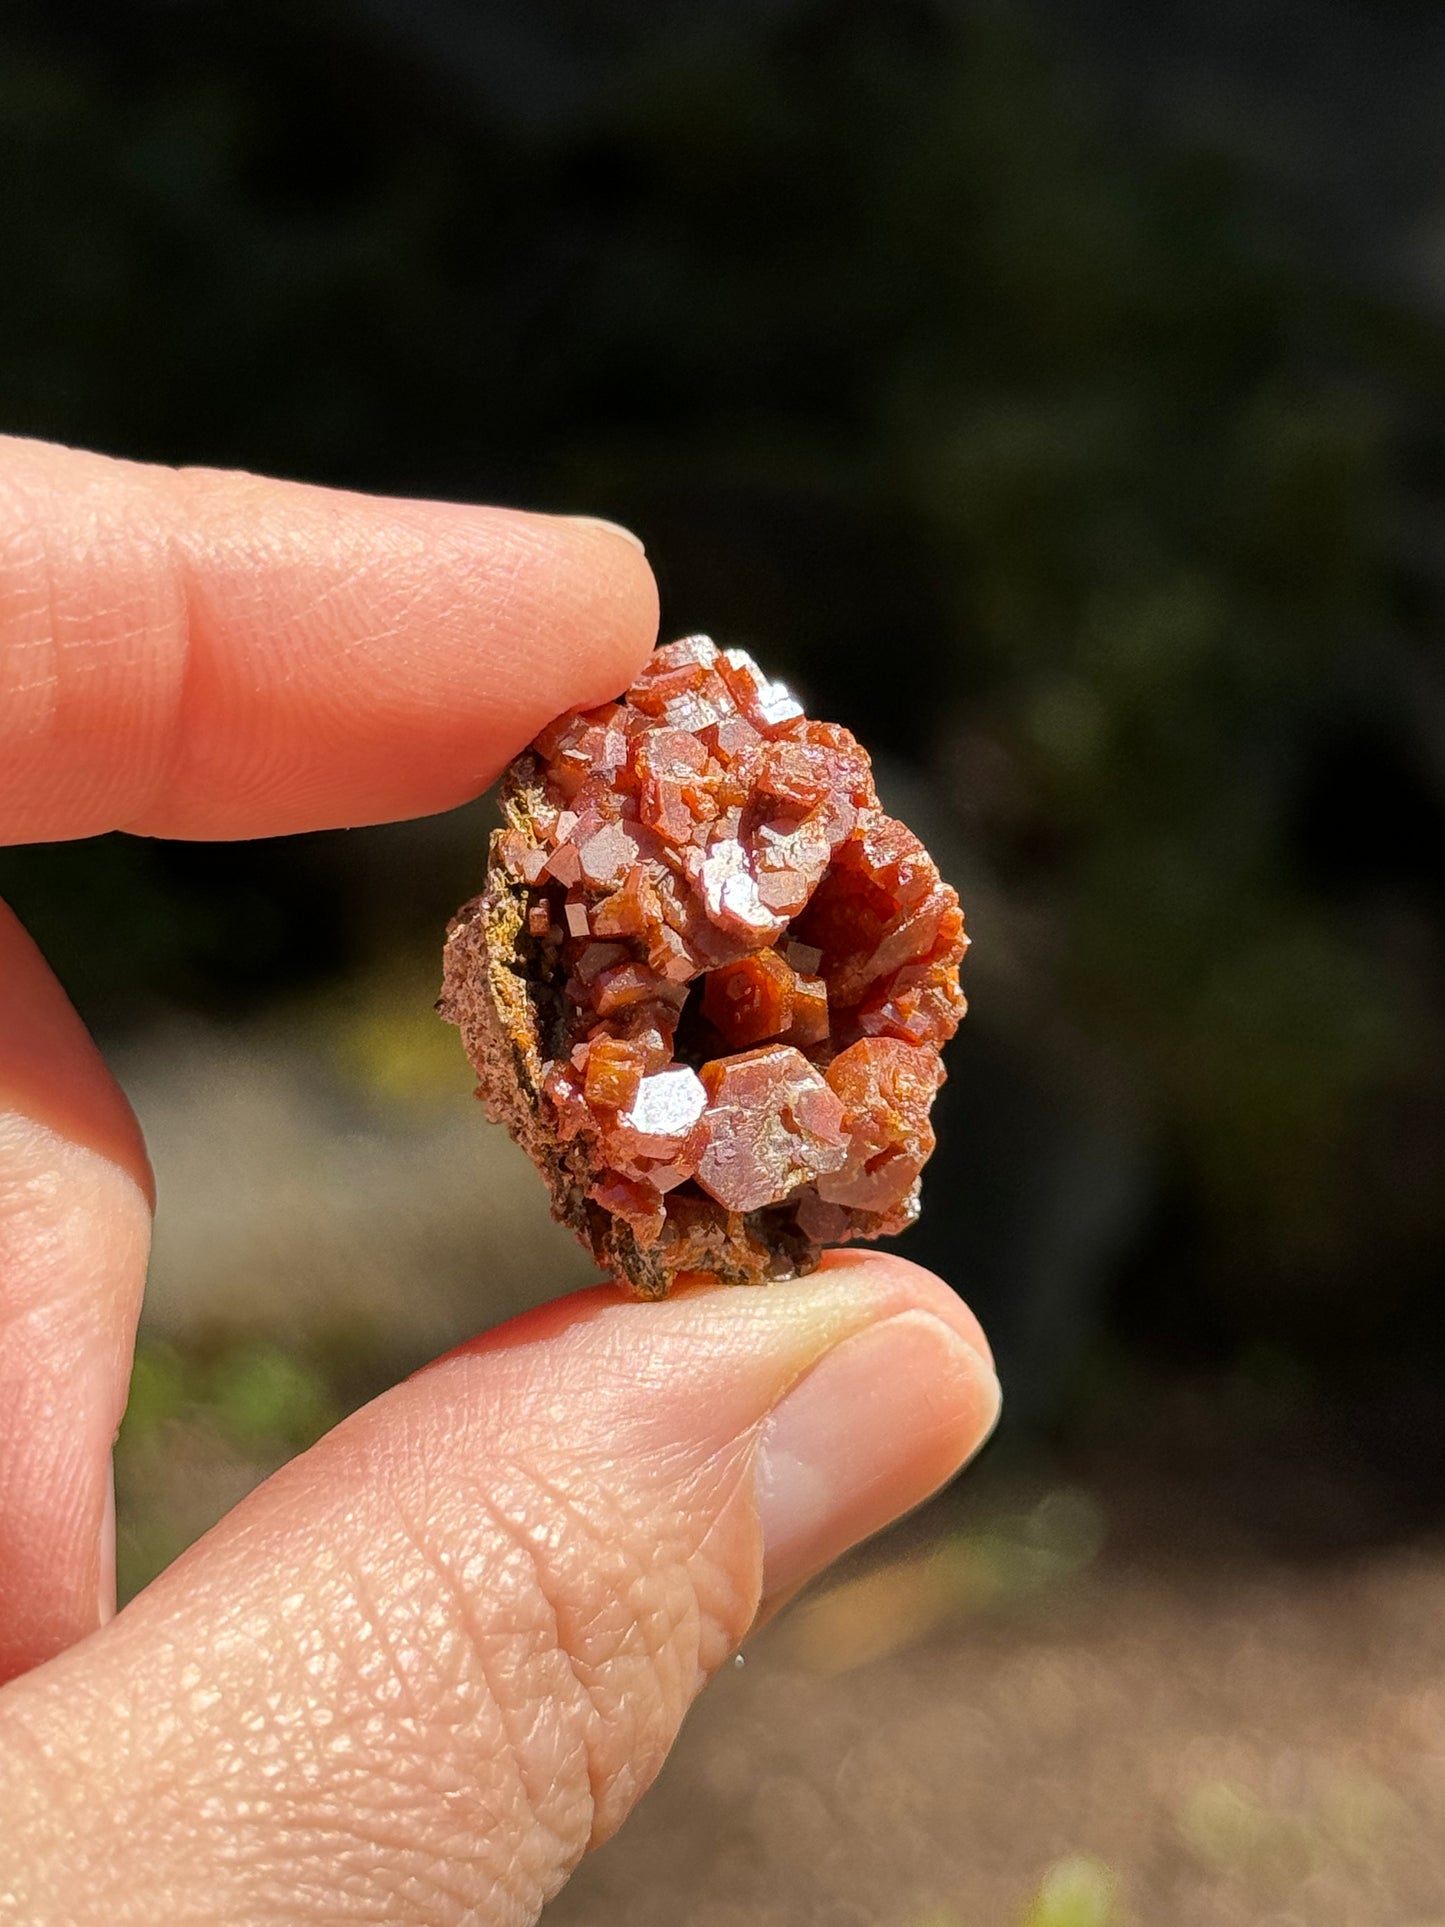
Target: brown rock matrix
(708,981)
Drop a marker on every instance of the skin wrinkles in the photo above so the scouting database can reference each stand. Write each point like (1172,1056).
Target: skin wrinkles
(27,622)
(623,1595)
(106,622)
(535,1759)
(554,1779)
(417,1623)
(381,1813)
(608,1628)
(424,573)
(227,655)
(66,1311)
(558,1585)
(105,616)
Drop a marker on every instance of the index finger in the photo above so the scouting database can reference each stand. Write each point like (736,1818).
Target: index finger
(190,653)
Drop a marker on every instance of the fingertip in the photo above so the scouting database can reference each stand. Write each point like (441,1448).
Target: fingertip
(411,648)
(900,1280)
(618,607)
(201,654)
(613,528)
(881,1422)
(769,1333)
(535,614)
(51,1071)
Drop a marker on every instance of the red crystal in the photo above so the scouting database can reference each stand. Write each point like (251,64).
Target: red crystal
(772,1125)
(752,999)
(613,1073)
(809,1027)
(742,971)
(886,1088)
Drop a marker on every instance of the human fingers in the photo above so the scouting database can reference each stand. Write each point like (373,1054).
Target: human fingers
(75,1195)
(202,654)
(423,1668)
(189,653)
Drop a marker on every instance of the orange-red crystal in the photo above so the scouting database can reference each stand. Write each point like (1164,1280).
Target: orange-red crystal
(752,999)
(758,965)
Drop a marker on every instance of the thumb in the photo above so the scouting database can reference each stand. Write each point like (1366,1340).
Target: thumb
(419,1671)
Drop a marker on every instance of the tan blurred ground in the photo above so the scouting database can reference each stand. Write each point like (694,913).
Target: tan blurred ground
(1260,1748)
(1067,1696)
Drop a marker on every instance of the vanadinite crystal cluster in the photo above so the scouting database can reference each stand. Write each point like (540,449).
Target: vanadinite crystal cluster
(708,981)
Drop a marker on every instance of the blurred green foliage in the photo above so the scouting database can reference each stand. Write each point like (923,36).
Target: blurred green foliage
(1077,1892)
(1042,450)
(204,1423)
(1074,1893)
(255,1397)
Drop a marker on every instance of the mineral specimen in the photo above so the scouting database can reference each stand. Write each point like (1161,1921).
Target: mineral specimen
(708,980)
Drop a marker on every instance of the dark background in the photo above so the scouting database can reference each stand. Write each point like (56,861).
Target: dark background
(1058,398)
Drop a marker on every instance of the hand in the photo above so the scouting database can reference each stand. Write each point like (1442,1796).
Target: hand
(419,1671)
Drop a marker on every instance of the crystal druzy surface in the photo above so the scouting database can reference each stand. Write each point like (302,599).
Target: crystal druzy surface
(708,981)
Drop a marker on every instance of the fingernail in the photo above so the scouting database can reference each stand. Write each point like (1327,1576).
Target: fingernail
(612,528)
(877,1425)
(105,1601)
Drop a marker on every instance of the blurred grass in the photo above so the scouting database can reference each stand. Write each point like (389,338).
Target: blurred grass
(256,1398)
(204,1424)
(1075,1893)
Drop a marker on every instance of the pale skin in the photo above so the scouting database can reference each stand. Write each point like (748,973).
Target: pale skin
(418,1673)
